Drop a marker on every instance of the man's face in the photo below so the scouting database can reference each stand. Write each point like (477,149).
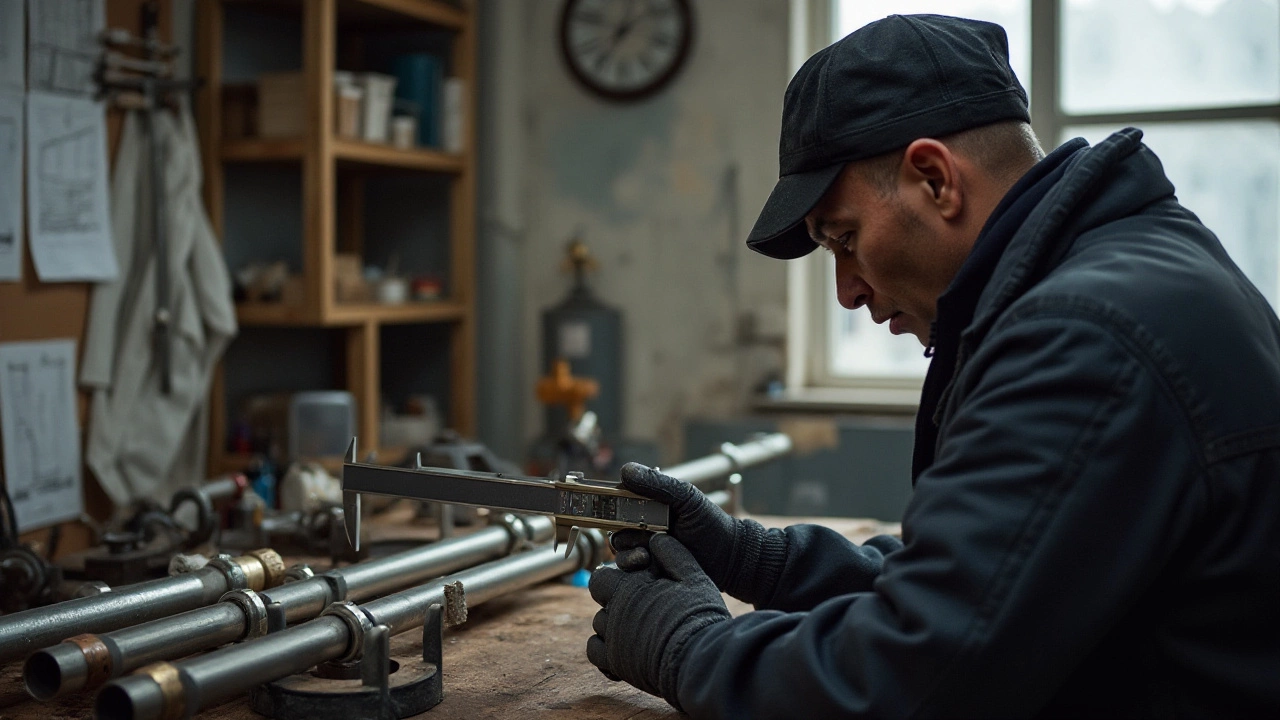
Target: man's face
(892,254)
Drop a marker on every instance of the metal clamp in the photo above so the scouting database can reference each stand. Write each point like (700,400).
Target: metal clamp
(166,676)
(236,577)
(255,611)
(735,494)
(337,583)
(91,588)
(299,571)
(358,625)
(734,455)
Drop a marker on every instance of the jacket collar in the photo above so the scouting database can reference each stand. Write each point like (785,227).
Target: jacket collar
(1074,205)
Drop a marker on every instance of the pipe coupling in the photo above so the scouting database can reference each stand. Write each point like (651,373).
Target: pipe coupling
(272,566)
(593,547)
(166,676)
(300,571)
(97,659)
(521,534)
(358,625)
(255,612)
(231,570)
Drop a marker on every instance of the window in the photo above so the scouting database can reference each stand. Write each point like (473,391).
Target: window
(1201,78)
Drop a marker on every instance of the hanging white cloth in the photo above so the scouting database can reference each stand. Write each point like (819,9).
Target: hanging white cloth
(142,442)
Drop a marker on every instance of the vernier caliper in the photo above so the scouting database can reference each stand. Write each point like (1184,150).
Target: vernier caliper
(574,502)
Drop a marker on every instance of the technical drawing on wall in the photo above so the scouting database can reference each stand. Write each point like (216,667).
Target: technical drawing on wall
(38,425)
(63,44)
(70,228)
(10,186)
(68,166)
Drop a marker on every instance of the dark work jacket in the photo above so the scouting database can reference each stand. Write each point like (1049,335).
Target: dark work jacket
(1098,533)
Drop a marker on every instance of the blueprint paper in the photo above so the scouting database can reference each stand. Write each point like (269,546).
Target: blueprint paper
(11,141)
(13,47)
(63,44)
(38,427)
(68,219)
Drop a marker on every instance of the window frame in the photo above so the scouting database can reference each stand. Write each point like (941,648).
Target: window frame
(809,379)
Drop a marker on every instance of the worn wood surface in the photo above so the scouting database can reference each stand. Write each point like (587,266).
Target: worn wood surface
(518,656)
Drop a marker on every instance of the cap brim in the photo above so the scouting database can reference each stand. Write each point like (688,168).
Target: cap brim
(779,232)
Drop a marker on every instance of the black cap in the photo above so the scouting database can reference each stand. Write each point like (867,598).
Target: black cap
(879,89)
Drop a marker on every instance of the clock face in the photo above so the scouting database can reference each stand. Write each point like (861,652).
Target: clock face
(625,49)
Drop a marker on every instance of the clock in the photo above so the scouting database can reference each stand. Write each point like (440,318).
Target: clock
(625,49)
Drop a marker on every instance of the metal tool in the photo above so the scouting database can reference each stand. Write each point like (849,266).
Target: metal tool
(574,502)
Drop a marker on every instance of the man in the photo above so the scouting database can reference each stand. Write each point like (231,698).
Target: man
(1095,528)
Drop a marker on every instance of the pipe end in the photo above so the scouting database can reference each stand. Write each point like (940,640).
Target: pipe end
(131,698)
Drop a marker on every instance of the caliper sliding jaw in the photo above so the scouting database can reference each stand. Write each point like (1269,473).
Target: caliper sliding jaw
(573,502)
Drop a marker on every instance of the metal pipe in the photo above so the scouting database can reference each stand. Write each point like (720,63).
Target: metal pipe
(214,678)
(68,667)
(23,632)
(731,459)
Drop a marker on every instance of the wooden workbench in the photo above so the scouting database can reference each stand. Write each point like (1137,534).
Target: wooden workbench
(522,655)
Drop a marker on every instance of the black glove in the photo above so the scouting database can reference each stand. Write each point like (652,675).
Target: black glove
(740,556)
(649,616)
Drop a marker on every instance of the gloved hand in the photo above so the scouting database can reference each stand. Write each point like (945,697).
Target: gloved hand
(648,617)
(740,556)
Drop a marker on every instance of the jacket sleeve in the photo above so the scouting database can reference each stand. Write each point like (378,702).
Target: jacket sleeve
(820,563)
(1045,517)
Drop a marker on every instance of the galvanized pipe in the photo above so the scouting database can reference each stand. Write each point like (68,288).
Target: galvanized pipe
(731,459)
(186,687)
(23,632)
(90,661)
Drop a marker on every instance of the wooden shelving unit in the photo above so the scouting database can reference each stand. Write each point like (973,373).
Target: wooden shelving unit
(333,172)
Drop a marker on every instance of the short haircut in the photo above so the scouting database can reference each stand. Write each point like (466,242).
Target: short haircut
(1005,150)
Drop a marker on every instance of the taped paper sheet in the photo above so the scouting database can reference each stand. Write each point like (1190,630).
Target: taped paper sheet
(63,44)
(11,141)
(38,427)
(68,217)
(13,46)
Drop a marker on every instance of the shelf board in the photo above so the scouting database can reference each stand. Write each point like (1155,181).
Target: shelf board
(367,153)
(250,313)
(435,12)
(410,312)
(263,149)
(353,151)
(277,314)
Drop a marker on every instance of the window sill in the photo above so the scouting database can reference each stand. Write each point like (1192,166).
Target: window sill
(880,401)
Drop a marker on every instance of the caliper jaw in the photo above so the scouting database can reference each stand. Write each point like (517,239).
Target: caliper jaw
(351,506)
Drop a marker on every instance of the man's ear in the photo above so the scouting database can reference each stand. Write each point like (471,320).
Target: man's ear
(931,167)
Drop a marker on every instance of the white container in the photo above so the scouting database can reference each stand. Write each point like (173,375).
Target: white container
(404,131)
(348,106)
(379,92)
(393,291)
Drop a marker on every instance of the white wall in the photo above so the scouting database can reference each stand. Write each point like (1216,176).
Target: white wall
(664,192)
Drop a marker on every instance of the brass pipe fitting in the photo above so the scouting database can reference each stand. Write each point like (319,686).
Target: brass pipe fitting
(166,676)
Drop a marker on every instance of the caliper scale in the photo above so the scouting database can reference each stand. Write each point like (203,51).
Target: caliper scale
(575,502)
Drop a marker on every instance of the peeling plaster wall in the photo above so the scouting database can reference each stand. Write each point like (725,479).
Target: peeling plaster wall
(663,191)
